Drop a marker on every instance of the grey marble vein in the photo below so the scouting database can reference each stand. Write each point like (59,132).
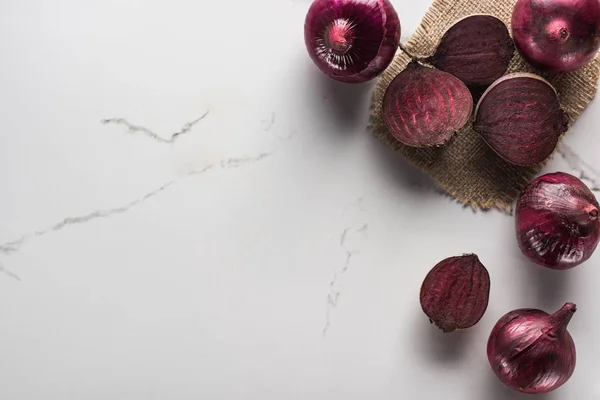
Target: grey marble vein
(334,293)
(140,129)
(586,172)
(268,124)
(9,273)
(15,245)
(229,163)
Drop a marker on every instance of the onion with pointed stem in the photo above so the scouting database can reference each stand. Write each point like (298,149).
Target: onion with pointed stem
(532,351)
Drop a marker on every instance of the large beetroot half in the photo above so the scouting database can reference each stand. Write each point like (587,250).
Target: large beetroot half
(520,118)
(476,49)
(424,107)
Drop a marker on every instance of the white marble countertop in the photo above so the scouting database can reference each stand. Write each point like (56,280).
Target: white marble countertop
(274,250)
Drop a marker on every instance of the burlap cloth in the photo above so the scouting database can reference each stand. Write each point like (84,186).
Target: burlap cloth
(466,168)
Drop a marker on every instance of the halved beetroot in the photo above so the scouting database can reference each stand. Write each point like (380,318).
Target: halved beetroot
(424,106)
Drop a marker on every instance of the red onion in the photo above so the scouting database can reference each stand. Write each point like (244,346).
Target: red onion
(557,221)
(557,35)
(532,351)
(352,40)
(455,293)
(424,106)
(520,118)
(476,49)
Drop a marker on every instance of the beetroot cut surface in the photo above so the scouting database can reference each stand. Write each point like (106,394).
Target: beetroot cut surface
(455,293)
(476,49)
(520,118)
(424,107)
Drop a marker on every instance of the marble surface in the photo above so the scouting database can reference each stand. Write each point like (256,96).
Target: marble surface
(190,210)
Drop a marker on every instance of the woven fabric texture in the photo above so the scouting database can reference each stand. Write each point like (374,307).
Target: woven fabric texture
(466,168)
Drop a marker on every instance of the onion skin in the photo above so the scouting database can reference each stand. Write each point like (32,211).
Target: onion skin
(531,351)
(455,293)
(520,118)
(352,41)
(557,221)
(557,35)
(424,107)
(477,50)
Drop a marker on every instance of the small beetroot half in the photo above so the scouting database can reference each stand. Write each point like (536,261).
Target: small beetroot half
(520,118)
(424,107)
(455,293)
(477,50)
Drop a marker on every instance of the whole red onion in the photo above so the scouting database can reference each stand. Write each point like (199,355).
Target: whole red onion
(557,35)
(531,351)
(352,40)
(557,221)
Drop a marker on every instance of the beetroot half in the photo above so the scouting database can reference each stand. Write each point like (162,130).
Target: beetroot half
(424,107)
(520,118)
(477,50)
(455,293)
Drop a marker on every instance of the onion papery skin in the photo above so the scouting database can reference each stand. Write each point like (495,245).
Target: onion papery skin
(352,41)
(424,107)
(477,50)
(520,118)
(556,220)
(557,35)
(455,293)
(532,351)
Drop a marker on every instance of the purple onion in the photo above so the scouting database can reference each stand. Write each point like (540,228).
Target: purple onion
(557,221)
(352,40)
(424,106)
(520,118)
(531,351)
(557,35)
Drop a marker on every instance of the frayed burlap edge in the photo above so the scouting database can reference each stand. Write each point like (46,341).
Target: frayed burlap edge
(466,168)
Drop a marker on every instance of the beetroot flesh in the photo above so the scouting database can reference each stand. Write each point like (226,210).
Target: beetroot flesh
(424,107)
(476,50)
(455,293)
(520,118)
